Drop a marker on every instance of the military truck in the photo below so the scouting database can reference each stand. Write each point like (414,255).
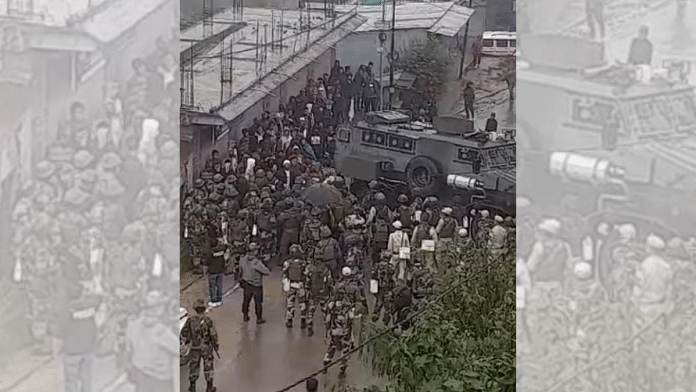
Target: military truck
(621,136)
(390,146)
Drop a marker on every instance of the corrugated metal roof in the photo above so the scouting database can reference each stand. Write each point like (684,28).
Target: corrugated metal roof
(250,96)
(453,21)
(411,16)
(118,17)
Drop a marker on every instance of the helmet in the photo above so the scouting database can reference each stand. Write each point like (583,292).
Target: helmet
(346,271)
(325,231)
(379,196)
(199,304)
(253,246)
(218,178)
(45,169)
(296,250)
(297,204)
(199,183)
(402,199)
(373,185)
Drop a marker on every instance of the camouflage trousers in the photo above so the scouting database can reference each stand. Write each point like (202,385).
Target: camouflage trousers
(383,300)
(206,354)
(40,323)
(312,308)
(296,295)
(197,251)
(338,342)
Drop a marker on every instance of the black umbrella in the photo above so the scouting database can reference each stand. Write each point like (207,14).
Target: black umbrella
(321,194)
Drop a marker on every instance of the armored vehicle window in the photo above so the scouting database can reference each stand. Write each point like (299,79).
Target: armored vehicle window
(653,116)
(685,110)
(468,155)
(511,154)
(497,157)
(487,43)
(501,43)
(344,135)
(513,43)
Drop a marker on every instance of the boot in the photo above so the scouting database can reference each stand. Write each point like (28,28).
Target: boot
(192,386)
(288,323)
(303,324)
(310,331)
(210,387)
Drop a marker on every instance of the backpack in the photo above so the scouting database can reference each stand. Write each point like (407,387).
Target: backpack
(405,215)
(339,211)
(197,325)
(448,228)
(264,221)
(328,250)
(296,270)
(313,230)
(381,231)
(421,234)
(320,274)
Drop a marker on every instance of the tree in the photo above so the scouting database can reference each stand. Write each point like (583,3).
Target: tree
(429,60)
(465,341)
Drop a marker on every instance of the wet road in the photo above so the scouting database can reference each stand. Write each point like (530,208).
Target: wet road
(268,357)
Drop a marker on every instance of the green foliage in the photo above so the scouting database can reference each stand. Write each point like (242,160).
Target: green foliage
(428,60)
(465,341)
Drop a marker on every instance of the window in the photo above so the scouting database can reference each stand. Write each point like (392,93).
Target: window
(513,43)
(344,135)
(501,43)
(685,110)
(487,43)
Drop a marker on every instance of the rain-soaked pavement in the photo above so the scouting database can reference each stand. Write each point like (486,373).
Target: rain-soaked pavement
(267,357)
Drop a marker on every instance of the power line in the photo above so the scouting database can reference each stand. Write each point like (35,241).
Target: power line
(390,329)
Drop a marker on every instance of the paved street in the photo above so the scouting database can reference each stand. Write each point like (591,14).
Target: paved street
(266,357)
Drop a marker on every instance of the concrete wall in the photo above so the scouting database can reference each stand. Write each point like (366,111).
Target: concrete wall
(361,48)
(280,95)
(131,46)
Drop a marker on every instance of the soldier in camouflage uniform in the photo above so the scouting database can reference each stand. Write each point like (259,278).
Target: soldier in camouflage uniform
(483,228)
(383,272)
(41,292)
(318,290)
(267,225)
(198,237)
(311,230)
(295,270)
(421,283)
(238,233)
(339,324)
(200,333)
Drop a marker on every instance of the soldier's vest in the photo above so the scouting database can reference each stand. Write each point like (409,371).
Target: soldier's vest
(296,270)
(553,262)
(327,250)
(448,228)
(313,230)
(200,333)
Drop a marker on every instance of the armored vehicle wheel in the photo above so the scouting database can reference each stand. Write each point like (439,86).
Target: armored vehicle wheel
(422,176)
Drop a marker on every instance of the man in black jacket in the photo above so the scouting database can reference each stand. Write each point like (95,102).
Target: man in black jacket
(216,270)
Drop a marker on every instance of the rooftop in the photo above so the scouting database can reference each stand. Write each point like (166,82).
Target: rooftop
(445,18)
(248,65)
(344,26)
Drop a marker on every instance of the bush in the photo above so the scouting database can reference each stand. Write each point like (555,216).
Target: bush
(465,341)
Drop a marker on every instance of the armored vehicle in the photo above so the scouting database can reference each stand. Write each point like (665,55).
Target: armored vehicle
(390,146)
(621,136)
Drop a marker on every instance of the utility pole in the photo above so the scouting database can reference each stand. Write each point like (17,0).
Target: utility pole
(393,59)
(466,37)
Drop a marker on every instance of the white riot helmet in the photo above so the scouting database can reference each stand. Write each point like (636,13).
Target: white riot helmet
(346,271)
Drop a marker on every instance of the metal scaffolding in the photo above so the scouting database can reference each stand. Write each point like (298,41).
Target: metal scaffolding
(208,12)
(187,83)
(227,71)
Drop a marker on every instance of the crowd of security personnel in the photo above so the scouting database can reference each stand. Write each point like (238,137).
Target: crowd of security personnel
(274,202)
(607,280)
(94,231)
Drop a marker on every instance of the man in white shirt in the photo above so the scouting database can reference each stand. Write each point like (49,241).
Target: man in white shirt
(398,240)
